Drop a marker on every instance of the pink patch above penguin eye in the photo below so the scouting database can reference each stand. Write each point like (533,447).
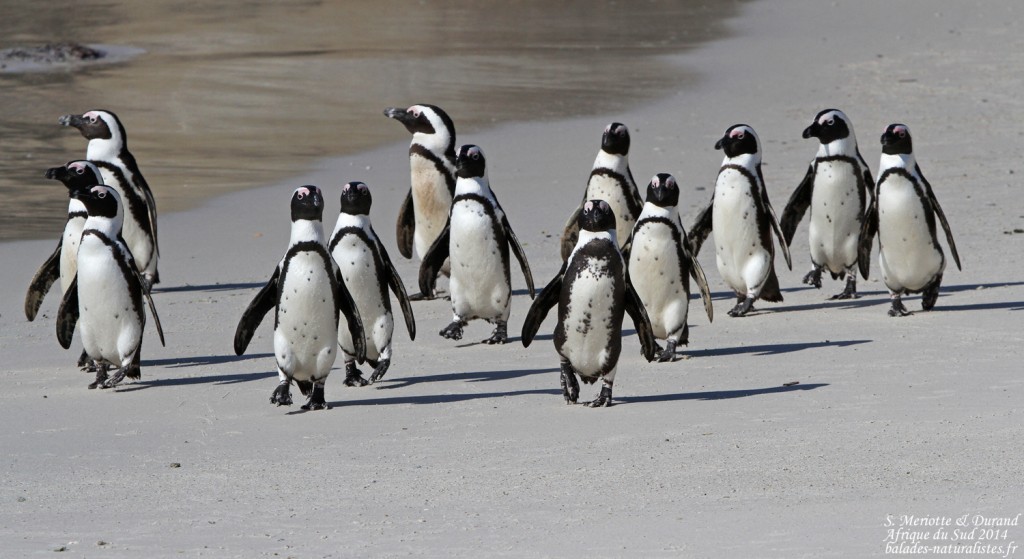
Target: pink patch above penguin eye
(588,207)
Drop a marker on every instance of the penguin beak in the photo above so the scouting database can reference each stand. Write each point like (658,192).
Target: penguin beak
(57,173)
(812,131)
(720,144)
(401,115)
(72,120)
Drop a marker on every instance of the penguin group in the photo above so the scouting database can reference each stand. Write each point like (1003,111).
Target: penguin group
(622,255)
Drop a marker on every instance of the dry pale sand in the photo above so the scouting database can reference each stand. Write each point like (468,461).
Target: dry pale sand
(467,450)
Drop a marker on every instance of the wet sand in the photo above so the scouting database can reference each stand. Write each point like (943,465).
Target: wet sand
(466,450)
(225,99)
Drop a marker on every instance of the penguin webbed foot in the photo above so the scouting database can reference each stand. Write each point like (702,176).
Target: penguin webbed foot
(453,331)
(116,379)
(603,400)
(101,376)
(898,308)
(353,376)
(316,399)
(570,386)
(743,306)
(500,334)
(379,370)
(282,395)
(813,278)
(668,354)
(86,363)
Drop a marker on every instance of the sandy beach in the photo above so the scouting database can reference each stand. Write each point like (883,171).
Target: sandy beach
(468,450)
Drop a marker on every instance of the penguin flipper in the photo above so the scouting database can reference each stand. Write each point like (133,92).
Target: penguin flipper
(697,273)
(151,208)
(797,206)
(701,229)
(347,307)
(48,273)
(541,305)
(406,229)
(67,315)
(571,233)
(156,317)
(398,288)
(434,259)
(868,228)
(261,304)
(642,323)
(517,249)
(942,218)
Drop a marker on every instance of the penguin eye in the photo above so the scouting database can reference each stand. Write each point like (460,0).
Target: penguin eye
(741,135)
(830,122)
(476,156)
(101,194)
(901,133)
(300,195)
(80,170)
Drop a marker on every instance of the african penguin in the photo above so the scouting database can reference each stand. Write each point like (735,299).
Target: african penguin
(62,262)
(306,294)
(742,219)
(108,150)
(903,214)
(610,180)
(367,273)
(432,173)
(592,291)
(660,266)
(105,297)
(476,239)
(835,189)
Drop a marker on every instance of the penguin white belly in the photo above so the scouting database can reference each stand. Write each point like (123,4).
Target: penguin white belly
(742,262)
(588,324)
(602,187)
(69,251)
(431,201)
(138,240)
(908,257)
(655,273)
(306,333)
(479,281)
(359,271)
(835,216)
(108,322)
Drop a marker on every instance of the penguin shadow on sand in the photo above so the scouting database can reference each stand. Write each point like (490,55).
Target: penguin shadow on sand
(204,361)
(994,305)
(475,376)
(718,394)
(880,298)
(771,349)
(211,287)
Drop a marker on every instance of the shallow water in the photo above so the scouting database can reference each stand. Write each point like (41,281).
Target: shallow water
(227,96)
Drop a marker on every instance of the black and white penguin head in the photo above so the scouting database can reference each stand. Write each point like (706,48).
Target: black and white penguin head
(739,139)
(100,201)
(426,121)
(829,126)
(615,139)
(471,162)
(76,175)
(307,204)
(597,216)
(896,140)
(356,198)
(663,191)
(97,125)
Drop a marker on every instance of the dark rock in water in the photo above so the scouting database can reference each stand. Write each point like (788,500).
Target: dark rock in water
(51,53)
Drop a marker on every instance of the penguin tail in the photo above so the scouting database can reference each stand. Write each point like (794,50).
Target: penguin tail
(305,386)
(771,292)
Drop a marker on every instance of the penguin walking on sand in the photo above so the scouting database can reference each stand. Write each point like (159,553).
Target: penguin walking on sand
(903,214)
(660,266)
(743,220)
(105,297)
(62,263)
(432,171)
(108,150)
(610,180)
(835,189)
(476,239)
(306,294)
(593,292)
(367,273)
